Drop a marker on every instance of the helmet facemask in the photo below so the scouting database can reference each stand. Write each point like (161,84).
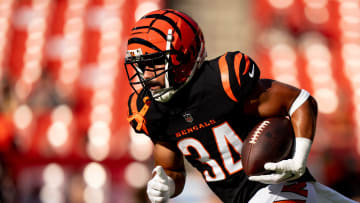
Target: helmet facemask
(136,61)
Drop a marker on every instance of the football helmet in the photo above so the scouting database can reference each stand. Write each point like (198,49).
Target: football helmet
(164,37)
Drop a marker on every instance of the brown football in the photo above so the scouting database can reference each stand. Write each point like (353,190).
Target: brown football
(269,141)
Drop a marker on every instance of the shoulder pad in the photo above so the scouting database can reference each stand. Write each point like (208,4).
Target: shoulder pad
(238,74)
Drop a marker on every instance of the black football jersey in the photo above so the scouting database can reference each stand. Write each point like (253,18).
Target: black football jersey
(205,121)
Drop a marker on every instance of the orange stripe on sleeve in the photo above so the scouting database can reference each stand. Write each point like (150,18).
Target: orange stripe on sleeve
(247,64)
(237,62)
(224,72)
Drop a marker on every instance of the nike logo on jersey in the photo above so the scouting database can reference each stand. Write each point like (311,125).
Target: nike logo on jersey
(252,73)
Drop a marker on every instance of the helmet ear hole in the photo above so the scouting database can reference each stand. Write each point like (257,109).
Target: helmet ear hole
(185,58)
(179,57)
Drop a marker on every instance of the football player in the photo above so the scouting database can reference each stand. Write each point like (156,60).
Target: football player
(203,109)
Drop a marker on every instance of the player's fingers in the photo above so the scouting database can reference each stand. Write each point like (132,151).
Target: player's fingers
(160,173)
(154,193)
(261,178)
(155,199)
(271,178)
(158,186)
(254,178)
(284,177)
(291,177)
(279,166)
(270,166)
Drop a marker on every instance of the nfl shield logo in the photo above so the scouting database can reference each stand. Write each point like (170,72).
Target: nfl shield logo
(188,118)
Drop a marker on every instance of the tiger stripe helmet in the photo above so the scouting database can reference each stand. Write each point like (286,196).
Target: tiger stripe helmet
(167,37)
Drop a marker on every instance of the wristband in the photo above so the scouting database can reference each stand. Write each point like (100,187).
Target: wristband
(302,149)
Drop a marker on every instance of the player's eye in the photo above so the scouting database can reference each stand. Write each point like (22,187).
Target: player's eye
(155,69)
(138,67)
(158,61)
(154,61)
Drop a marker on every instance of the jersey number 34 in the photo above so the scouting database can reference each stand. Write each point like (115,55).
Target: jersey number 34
(224,136)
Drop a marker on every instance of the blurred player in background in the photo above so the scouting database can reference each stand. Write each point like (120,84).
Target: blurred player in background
(203,109)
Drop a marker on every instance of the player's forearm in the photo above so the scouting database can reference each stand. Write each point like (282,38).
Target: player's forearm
(179,179)
(304,119)
(172,162)
(303,113)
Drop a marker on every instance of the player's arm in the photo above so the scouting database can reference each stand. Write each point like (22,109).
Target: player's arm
(271,98)
(169,174)
(172,162)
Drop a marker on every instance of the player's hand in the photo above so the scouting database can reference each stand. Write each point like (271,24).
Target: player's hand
(290,169)
(160,187)
(273,178)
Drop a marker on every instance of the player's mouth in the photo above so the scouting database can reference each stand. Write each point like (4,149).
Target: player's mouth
(153,85)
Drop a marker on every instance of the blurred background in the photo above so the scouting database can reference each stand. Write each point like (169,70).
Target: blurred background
(64,137)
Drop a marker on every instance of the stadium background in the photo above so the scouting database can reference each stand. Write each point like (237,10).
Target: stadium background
(63,130)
